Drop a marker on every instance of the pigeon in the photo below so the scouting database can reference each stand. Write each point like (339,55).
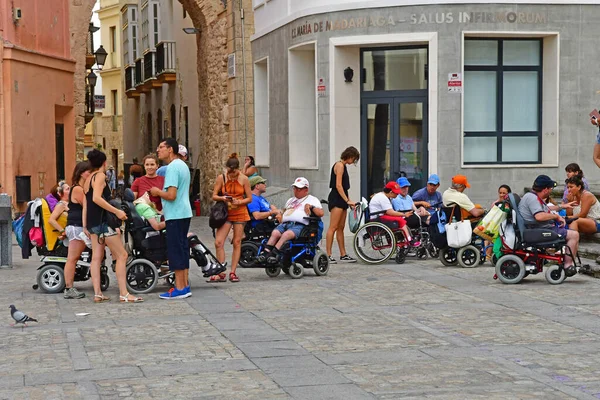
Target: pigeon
(20,317)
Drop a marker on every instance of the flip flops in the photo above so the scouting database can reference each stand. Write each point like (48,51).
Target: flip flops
(217,278)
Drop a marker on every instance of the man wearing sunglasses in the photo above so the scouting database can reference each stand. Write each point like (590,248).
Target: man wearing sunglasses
(536,214)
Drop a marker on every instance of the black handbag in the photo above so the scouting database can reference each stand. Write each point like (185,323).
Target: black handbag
(218,213)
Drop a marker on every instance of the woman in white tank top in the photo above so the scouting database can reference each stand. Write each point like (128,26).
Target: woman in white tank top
(587,210)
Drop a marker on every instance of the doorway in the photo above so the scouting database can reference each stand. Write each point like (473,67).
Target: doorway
(394,109)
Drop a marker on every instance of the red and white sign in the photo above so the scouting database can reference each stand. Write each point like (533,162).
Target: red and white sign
(455,82)
(321,88)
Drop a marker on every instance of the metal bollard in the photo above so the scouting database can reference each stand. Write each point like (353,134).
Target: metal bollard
(5,231)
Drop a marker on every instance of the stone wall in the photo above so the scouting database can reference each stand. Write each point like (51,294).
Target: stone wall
(80,14)
(222,127)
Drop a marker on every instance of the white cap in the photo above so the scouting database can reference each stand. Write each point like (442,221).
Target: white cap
(182,151)
(300,183)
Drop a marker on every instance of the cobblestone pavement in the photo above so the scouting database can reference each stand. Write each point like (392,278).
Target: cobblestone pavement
(418,330)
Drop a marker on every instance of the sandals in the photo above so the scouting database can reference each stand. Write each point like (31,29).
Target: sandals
(100,298)
(126,299)
(217,278)
(233,277)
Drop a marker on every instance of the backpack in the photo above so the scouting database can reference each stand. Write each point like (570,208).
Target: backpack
(437,229)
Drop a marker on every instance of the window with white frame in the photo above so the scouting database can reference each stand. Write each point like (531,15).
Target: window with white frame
(261,112)
(145,26)
(129,35)
(302,106)
(503,101)
(155,24)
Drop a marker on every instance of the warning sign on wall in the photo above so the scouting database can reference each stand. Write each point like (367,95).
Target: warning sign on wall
(455,82)
(321,88)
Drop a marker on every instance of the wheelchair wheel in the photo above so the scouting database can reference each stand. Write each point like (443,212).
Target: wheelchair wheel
(51,278)
(248,254)
(104,281)
(448,257)
(468,256)
(374,243)
(273,272)
(432,251)
(510,269)
(555,275)
(422,254)
(400,256)
(141,276)
(297,270)
(320,263)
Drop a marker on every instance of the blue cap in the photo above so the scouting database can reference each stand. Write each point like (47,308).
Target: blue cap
(403,182)
(434,179)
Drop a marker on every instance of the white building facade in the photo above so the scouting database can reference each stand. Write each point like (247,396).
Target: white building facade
(497,91)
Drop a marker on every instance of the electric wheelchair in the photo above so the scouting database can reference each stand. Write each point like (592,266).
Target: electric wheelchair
(147,250)
(527,251)
(469,256)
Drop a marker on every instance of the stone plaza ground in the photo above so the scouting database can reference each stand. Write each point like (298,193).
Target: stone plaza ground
(418,330)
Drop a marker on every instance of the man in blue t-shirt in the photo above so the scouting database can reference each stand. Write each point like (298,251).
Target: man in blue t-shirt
(428,196)
(260,208)
(178,214)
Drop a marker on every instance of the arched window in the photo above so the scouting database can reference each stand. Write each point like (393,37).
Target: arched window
(159,126)
(173,122)
(151,146)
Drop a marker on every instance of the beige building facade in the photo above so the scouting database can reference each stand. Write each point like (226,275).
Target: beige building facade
(188,85)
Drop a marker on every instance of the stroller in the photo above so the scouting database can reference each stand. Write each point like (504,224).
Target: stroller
(39,234)
(147,250)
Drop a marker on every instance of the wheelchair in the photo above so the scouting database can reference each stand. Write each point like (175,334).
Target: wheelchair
(530,250)
(377,240)
(147,250)
(53,255)
(254,238)
(298,254)
(469,256)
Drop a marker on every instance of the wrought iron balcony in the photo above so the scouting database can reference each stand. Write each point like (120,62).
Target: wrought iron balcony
(149,65)
(166,61)
(139,69)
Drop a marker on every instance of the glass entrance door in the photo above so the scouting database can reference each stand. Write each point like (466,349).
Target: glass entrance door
(393,117)
(394,134)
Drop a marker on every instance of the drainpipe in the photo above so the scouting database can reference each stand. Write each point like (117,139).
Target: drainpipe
(244,74)
(4,166)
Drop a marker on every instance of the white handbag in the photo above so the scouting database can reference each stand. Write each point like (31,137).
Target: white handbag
(459,234)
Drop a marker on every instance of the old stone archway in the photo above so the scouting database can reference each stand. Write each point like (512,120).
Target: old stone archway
(80,15)
(219,97)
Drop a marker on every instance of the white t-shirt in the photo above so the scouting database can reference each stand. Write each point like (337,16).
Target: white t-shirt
(294,209)
(379,202)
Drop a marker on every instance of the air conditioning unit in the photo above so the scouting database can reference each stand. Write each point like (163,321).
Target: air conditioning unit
(231,66)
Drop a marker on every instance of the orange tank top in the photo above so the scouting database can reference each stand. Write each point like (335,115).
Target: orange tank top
(236,213)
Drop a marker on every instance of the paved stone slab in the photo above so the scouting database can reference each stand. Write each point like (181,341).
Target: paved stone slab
(184,368)
(271,349)
(76,376)
(329,392)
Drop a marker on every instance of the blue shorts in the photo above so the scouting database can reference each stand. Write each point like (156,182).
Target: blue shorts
(103,230)
(178,249)
(561,230)
(597,227)
(295,227)
(598,137)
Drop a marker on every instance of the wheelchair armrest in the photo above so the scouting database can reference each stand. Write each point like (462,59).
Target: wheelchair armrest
(313,219)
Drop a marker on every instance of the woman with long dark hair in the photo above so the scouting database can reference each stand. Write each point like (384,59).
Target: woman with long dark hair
(234,190)
(75,231)
(97,207)
(339,201)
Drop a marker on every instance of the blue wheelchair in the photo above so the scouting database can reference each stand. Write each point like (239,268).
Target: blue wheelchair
(298,254)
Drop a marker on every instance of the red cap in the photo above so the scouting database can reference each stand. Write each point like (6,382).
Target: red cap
(461,180)
(393,186)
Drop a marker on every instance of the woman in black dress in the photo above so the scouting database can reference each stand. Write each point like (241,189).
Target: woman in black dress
(339,202)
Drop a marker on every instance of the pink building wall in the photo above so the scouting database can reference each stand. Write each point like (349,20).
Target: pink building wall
(37,92)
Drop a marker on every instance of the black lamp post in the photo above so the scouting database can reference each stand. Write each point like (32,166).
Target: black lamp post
(348,74)
(92,78)
(100,55)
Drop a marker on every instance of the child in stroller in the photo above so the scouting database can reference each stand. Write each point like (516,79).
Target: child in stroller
(147,248)
(37,232)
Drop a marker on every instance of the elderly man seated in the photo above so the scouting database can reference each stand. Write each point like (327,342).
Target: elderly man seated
(296,209)
(536,214)
(403,202)
(260,209)
(455,196)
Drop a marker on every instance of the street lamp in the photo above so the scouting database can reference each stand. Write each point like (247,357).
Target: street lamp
(92,78)
(100,55)
(191,31)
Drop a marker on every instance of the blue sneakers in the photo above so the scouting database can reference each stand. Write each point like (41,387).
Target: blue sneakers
(174,293)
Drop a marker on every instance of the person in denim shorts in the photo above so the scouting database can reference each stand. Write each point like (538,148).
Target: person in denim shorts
(96,207)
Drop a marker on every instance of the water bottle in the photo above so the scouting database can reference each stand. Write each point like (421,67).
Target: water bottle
(453,219)
(562,212)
